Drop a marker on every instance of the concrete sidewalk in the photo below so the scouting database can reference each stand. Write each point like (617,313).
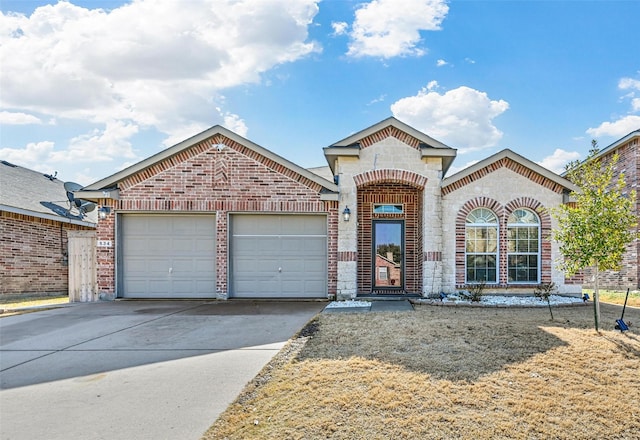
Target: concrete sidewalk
(394,305)
(135,369)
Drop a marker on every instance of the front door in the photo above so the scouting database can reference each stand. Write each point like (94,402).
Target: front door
(388,254)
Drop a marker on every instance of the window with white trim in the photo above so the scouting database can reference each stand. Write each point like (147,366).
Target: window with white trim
(523,247)
(481,246)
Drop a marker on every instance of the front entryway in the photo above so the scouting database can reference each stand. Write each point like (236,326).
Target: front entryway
(388,239)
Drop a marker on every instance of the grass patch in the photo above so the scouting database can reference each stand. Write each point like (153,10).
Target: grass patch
(447,372)
(617,297)
(13,304)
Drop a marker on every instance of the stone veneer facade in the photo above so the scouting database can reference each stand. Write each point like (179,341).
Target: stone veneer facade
(388,163)
(390,168)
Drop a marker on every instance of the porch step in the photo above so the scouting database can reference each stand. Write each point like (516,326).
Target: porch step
(389,297)
(376,306)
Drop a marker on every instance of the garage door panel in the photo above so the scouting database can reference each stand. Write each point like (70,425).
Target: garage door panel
(205,245)
(157,286)
(168,256)
(158,245)
(183,245)
(275,255)
(205,265)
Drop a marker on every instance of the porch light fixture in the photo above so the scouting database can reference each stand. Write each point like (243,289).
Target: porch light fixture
(346,214)
(103,212)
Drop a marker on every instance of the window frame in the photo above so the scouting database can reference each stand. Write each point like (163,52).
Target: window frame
(495,225)
(511,225)
(387,208)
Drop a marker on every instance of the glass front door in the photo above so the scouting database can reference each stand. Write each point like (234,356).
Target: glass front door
(388,250)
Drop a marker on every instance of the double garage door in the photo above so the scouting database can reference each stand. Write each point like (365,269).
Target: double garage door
(271,256)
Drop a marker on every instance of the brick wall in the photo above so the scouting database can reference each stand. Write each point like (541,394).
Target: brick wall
(204,178)
(33,255)
(629,274)
(503,189)
(390,193)
(503,213)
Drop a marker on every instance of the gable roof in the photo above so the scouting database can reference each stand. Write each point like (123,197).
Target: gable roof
(28,192)
(499,160)
(429,146)
(615,145)
(107,187)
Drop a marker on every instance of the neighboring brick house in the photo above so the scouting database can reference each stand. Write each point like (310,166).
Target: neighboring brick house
(34,222)
(388,272)
(218,216)
(628,150)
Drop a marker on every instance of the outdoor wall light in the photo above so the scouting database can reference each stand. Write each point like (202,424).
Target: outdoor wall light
(346,214)
(103,212)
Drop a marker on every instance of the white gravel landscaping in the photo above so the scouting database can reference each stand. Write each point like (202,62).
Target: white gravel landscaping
(489,300)
(529,301)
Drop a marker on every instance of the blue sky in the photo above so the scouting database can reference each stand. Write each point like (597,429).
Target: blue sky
(90,87)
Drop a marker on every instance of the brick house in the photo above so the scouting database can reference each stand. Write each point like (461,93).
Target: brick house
(221,217)
(628,150)
(35,220)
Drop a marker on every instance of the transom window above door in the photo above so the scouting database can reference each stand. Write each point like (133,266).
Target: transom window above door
(388,209)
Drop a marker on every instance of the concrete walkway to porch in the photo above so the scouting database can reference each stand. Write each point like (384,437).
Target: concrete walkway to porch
(395,305)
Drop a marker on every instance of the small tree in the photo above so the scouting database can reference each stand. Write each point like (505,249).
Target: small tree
(544,291)
(593,232)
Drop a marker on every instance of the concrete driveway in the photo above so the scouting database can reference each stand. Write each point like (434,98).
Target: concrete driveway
(135,369)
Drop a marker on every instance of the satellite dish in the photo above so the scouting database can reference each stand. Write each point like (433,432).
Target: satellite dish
(83,206)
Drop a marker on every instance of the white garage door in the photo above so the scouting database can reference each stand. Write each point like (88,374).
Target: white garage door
(278,256)
(168,256)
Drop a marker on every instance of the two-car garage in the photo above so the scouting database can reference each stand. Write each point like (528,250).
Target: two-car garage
(175,256)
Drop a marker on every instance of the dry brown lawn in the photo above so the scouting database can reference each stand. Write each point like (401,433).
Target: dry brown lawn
(447,373)
(15,304)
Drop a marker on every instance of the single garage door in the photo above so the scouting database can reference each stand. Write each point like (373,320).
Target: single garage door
(168,256)
(278,256)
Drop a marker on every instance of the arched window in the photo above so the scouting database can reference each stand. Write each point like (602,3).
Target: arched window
(481,246)
(523,247)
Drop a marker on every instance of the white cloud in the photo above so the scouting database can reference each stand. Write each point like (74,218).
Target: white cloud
(148,63)
(380,98)
(441,63)
(619,128)
(34,155)
(461,118)
(18,118)
(629,83)
(624,124)
(100,145)
(339,27)
(454,169)
(390,28)
(557,161)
